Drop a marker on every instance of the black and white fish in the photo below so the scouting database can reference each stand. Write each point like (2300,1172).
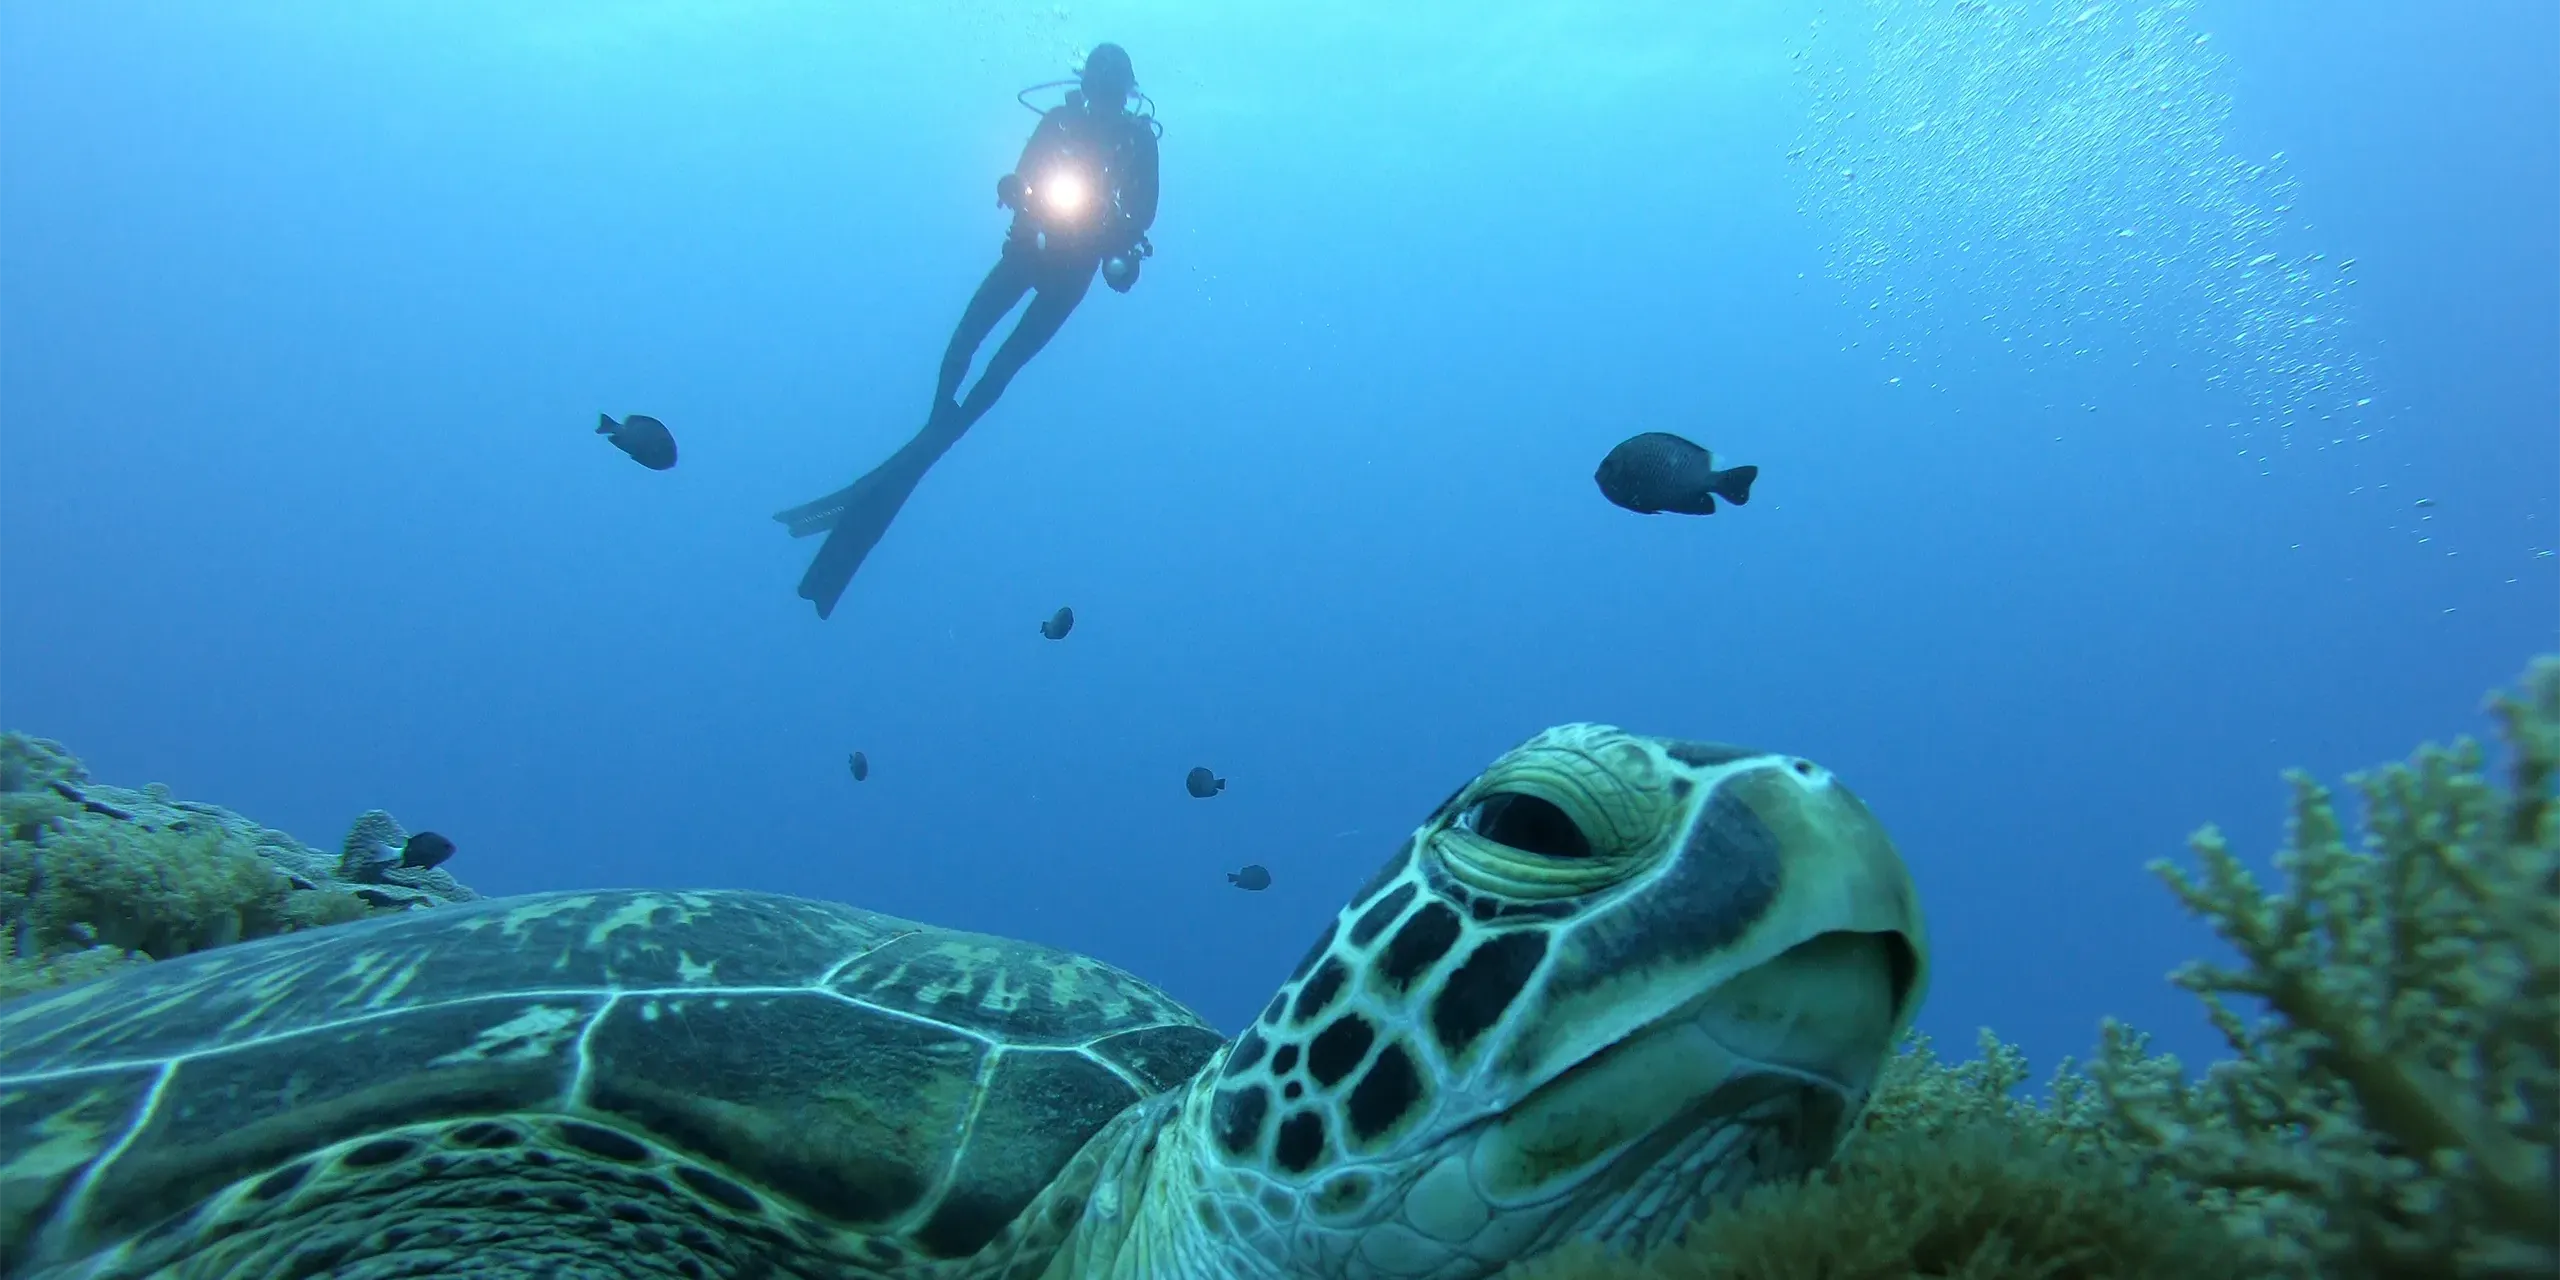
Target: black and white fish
(425,851)
(1658,471)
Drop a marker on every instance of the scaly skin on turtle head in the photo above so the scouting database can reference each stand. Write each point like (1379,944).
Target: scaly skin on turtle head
(1611,982)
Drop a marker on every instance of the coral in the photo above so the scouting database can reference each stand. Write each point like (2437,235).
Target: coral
(24,815)
(373,841)
(21,976)
(161,893)
(94,878)
(1977,1200)
(2395,1113)
(1919,1094)
(369,863)
(2398,1114)
(315,908)
(32,764)
(1953,1174)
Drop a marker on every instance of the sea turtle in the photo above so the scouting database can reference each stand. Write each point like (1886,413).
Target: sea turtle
(1610,981)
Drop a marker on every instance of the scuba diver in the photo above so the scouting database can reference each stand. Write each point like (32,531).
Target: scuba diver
(1083,197)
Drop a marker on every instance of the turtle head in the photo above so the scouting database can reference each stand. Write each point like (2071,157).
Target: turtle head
(1611,981)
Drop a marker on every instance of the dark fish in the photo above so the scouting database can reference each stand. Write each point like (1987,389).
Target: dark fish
(1202,783)
(861,765)
(1658,471)
(425,851)
(646,439)
(1059,623)
(72,794)
(1254,878)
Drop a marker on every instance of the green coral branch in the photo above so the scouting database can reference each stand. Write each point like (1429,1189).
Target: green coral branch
(1954,1173)
(2397,1112)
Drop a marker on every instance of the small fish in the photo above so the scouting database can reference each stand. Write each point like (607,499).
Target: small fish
(1253,878)
(1658,471)
(2426,502)
(425,851)
(646,439)
(1059,623)
(861,765)
(1202,783)
(72,794)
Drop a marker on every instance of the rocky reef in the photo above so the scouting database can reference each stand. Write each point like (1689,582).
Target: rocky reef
(95,878)
(2390,1108)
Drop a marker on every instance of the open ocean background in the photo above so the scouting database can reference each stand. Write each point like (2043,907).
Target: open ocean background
(2148,396)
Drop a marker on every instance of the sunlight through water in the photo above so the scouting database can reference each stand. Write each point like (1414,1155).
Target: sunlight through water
(2060,173)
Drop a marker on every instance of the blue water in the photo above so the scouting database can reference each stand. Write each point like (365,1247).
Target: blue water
(2077,521)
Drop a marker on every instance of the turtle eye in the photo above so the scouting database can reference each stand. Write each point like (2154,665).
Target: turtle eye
(1526,823)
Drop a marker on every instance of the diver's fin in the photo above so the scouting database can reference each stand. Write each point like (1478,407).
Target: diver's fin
(855,516)
(820,515)
(848,542)
(832,570)
(1734,485)
(868,506)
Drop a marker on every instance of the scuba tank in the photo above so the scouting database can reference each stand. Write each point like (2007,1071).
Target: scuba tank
(1106,166)
(1119,270)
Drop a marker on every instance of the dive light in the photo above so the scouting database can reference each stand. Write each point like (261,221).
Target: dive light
(1064,193)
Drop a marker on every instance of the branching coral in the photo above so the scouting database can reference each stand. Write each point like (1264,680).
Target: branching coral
(1920,1094)
(2396,1116)
(2396,1113)
(1953,1174)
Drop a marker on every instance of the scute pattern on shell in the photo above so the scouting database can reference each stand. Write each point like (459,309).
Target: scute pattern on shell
(889,1088)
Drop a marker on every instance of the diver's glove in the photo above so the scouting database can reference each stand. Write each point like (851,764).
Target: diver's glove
(1009,191)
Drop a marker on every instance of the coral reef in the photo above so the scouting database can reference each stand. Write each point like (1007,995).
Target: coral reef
(2398,1114)
(95,878)
(2394,1113)
(36,970)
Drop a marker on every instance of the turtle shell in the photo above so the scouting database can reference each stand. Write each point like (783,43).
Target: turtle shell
(724,1076)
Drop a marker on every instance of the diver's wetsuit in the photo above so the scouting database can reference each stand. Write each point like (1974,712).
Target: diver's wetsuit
(1051,257)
